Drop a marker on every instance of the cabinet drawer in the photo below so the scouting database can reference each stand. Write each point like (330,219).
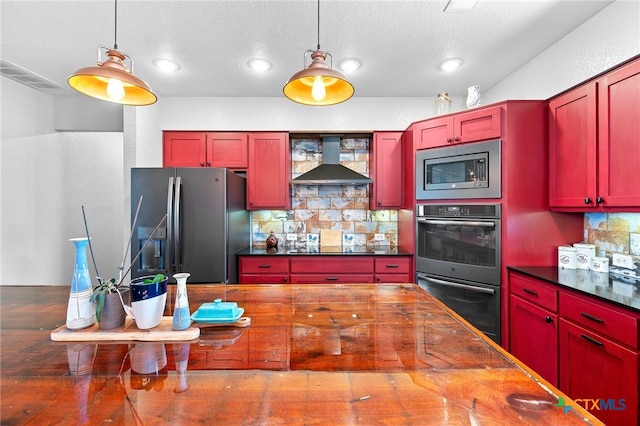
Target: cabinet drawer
(264,279)
(331,279)
(608,322)
(392,265)
(264,265)
(534,291)
(393,278)
(332,265)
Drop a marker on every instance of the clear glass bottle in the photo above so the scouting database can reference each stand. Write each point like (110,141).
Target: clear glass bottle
(181,313)
(443,103)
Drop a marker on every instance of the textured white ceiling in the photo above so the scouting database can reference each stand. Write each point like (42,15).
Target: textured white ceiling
(399,42)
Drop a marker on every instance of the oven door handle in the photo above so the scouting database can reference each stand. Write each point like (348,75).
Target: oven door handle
(457,285)
(457,222)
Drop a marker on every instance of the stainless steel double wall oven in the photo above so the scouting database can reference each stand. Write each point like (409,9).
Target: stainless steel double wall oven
(458,260)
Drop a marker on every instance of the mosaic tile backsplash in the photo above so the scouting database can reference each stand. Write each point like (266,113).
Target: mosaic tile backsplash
(614,233)
(317,207)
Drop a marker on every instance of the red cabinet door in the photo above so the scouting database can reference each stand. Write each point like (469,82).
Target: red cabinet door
(619,137)
(386,170)
(184,149)
(572,148)
(593,368)
(434,133)
(477,125)
(534,338)
(227,149)
(269,174)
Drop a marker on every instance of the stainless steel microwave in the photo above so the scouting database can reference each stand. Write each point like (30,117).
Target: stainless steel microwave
(463,171)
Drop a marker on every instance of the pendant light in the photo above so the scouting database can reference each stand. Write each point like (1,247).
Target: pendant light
(318,84)
(111,80)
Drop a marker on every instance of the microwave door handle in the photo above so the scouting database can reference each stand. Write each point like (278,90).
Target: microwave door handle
(457,222)
(457,285)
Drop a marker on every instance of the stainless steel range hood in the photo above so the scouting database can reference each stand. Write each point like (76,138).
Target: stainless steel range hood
(331,172)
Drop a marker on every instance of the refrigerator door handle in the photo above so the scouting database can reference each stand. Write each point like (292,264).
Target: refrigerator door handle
(176,225)
(168,249)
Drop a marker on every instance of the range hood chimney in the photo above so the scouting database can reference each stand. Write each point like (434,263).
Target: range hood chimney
(331,172)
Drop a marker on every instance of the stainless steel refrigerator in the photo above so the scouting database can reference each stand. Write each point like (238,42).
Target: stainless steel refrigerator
(207,223)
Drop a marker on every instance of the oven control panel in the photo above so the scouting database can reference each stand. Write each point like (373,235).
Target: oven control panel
(459,210)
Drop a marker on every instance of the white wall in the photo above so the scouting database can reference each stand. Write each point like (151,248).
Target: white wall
(607,39)
(46,177)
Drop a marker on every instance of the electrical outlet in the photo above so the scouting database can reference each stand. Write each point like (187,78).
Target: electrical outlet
(379,237)
(292,237)
(623,261)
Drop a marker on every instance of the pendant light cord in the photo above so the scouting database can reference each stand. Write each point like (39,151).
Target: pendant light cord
(115,35)
(318,25)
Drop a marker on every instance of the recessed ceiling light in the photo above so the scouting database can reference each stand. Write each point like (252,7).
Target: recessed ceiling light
(349,65)
(451,64)
(166,65)
(259,65)
(459,5)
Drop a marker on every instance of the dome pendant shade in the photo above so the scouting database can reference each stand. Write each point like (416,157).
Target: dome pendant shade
(112,81)
(318,84)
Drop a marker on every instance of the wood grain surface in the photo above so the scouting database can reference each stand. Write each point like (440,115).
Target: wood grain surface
(314,354)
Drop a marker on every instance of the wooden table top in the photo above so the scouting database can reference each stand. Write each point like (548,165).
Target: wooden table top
(313,354)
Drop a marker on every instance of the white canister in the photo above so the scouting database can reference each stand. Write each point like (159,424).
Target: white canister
(600,264)
(567,257)
(584,254)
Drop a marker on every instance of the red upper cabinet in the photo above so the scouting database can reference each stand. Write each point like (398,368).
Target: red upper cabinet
(433,133)
(227,149)
(269,174)
(386,170)
(472,126)
(572,148)
(200,149)
(594,135)
(184,149)
(619,137)
(477,125)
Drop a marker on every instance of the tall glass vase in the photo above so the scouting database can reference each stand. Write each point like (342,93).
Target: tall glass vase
(80,310)
(181,314)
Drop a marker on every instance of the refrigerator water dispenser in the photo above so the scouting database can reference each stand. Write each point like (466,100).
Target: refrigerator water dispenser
(152,257)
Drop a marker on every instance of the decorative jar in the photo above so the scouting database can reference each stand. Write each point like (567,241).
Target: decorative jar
(443,103)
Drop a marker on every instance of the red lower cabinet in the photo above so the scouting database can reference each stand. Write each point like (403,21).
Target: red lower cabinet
(599,374)
(536,342)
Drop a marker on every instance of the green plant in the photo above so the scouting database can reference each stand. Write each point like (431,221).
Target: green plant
(100,292)
(157,279)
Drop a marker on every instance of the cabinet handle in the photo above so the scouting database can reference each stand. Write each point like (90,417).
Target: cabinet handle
(379,203)
(448,140)
(208,164)
(548,319)
(251,202)
(264,266)
(531,292)
(456,139)
(591,340)
(587,200)
(379,278)
(393,265)
(599,200)
(202,164)
(591,317)
(332,278)
(284,279)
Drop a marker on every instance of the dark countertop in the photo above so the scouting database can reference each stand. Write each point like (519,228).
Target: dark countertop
(609,286)
(324,251)
(313,354)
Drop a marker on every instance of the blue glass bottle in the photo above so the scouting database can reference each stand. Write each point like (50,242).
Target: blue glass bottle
(80,311)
